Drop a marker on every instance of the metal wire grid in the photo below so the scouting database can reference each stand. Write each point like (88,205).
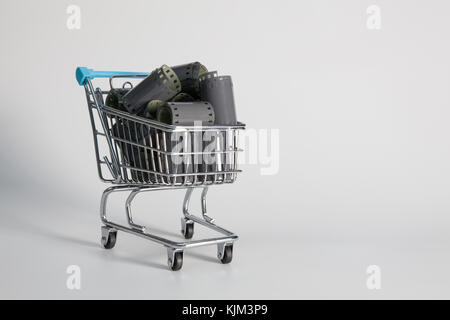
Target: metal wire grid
(146,152)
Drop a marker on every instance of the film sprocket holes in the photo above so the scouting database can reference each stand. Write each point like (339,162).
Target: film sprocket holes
(189,75)
(186,113)
(162,84)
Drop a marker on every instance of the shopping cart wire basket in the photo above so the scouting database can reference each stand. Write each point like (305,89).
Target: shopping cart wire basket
(136,154)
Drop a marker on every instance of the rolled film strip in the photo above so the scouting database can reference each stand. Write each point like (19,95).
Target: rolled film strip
(189,76)
(183,97)
(218,90)
(114,98)
(186,113)
(162,84)
(151,108)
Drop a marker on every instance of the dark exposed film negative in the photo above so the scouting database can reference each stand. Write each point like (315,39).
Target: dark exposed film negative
(114,98)
(189,75)
(162,84)
(218,90)
(183,97)
(151,108)
(186,113)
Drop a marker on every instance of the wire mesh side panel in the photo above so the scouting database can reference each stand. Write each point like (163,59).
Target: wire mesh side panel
(192,156)
(103,151)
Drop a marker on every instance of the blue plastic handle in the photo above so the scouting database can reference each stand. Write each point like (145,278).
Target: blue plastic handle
(83,73)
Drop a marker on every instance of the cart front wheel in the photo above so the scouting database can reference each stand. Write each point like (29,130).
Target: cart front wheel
(108,238)
(188,230)
(176,262)
(227,254)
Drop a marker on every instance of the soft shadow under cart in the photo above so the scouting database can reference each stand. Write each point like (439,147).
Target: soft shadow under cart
(141,165)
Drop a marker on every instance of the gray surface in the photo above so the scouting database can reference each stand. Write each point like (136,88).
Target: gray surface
(364,170)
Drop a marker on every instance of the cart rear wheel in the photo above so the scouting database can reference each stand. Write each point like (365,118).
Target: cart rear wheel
(177,262)
(188,231)
(227,255)
(109,239)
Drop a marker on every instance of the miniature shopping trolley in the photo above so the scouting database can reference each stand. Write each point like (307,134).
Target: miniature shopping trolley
(145,155)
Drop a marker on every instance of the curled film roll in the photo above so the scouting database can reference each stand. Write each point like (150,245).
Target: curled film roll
(162,84)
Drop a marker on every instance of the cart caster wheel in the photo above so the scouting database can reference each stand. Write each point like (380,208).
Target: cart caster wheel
(188,230)
(226,255)
(108,238)
(176,262)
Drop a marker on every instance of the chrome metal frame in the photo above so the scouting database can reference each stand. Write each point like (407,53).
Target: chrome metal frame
(141,231)
(134,177)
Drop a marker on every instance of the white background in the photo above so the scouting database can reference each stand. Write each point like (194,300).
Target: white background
(364,154)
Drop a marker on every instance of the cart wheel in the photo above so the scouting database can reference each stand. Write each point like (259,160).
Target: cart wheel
(227,254)
(108,238)
(177,262)
(188,230)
